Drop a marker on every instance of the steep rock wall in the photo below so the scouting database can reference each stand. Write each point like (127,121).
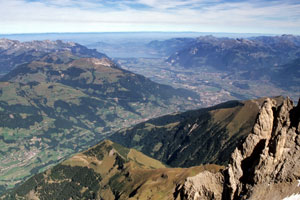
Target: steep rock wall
(266,165)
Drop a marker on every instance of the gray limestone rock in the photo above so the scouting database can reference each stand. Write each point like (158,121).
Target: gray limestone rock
(266,165)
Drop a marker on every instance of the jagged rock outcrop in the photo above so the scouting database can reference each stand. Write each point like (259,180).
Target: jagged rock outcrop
(204,186)
(265,166)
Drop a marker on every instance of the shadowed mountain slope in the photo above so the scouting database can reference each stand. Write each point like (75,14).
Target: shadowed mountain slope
(207,135)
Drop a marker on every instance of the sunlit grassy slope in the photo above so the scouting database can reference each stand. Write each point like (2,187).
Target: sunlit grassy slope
(107,171)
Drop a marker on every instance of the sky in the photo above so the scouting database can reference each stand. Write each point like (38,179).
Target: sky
(229,16)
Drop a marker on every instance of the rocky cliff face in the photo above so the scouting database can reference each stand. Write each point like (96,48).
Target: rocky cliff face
(266,165)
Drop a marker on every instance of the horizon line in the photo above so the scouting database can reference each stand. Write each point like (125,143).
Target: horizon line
(96,32)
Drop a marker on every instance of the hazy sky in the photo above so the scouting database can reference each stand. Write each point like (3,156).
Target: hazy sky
(257,16)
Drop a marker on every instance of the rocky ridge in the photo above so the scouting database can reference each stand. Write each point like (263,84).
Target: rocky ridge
(266,165)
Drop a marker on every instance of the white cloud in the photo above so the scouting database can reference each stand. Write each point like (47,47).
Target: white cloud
(166,4)
(177,15)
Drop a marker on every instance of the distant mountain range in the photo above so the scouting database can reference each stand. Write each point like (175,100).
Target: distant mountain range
(64,99)
(263,57)
(230,54)
(288,75)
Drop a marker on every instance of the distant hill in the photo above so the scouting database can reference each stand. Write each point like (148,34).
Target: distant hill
(62,103)
(13,52)
(96,77)
(170,46)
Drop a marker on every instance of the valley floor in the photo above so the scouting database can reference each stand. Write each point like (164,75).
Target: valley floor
(213,86)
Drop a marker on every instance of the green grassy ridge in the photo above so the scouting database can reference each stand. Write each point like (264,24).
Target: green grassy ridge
(61,188)
(102,172)
(66,179)
(83,73)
